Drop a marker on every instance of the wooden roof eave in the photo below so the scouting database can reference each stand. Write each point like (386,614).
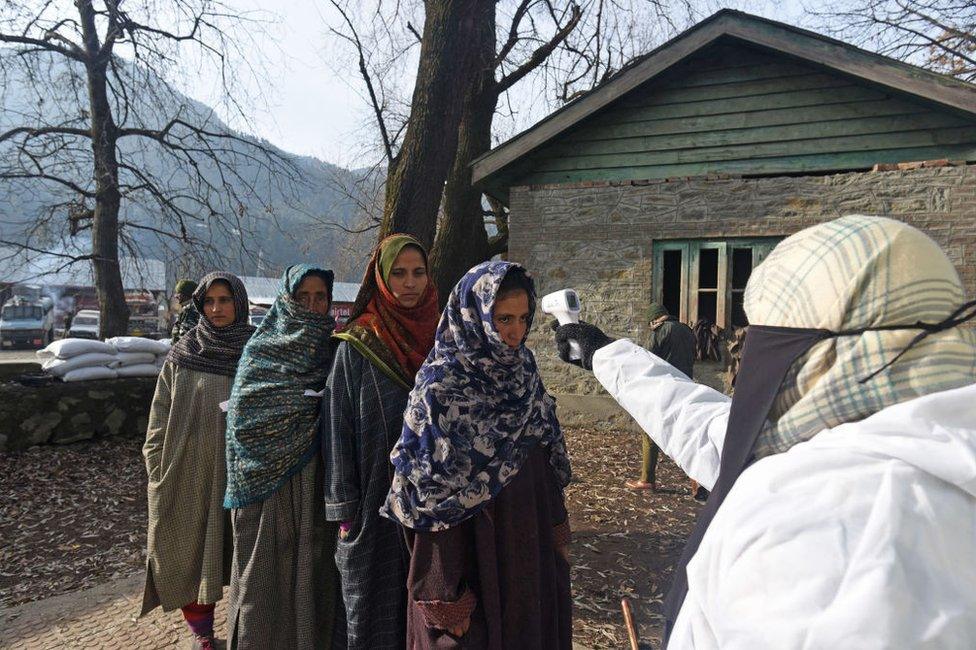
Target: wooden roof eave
(808,46)
(572,113)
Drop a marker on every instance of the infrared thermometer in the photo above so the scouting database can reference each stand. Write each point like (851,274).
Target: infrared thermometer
(565,306)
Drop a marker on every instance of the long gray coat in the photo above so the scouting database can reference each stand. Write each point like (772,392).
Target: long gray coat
(189,541)
(359,428)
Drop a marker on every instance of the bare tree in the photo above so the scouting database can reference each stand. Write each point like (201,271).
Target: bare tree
(415,181)
(938,34)
(462,238)
(102,108)
(531,56)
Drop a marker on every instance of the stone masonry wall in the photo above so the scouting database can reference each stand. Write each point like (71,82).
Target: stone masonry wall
(597,237)
(62,413)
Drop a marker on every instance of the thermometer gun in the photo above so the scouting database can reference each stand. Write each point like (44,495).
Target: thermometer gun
(565,306)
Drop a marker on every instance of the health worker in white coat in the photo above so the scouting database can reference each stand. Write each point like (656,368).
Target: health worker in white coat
(843,472)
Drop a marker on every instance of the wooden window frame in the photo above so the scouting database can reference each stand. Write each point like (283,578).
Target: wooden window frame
(658,273)
(690,264)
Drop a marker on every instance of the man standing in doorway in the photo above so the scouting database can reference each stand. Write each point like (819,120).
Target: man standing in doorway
(674,342)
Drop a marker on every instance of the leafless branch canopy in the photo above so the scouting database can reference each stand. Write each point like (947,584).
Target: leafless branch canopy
(546,52)
(187,181)
(937,34)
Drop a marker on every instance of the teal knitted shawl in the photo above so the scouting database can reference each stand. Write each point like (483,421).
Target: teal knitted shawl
(272,426)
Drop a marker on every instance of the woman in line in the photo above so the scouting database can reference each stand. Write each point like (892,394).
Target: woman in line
(283,579)
(390,332)
(480,470)
(189,543)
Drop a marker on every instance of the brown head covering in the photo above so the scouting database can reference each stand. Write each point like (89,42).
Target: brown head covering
(215,349)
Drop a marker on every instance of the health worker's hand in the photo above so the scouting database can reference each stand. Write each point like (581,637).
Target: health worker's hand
(590,338)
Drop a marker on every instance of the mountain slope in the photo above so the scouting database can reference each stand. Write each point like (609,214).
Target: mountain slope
(270,220)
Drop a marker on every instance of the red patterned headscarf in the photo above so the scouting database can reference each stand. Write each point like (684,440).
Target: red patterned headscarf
(394,338)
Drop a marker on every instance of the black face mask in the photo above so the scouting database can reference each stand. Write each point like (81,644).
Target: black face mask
(768,353)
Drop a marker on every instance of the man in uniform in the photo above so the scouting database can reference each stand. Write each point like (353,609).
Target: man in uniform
(188,314)
(674,342)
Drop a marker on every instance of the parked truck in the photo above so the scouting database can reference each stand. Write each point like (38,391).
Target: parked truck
(147,315)
(26,322)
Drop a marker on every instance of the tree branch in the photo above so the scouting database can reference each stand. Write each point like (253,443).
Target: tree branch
(513,33)
(540,54)
(71,51)
(33,132)
(27,247)
(48,177)
(413,30)
(364,72)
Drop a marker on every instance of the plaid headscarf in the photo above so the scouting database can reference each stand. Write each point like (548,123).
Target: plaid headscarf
(478,408)
(215,349)
(847,274)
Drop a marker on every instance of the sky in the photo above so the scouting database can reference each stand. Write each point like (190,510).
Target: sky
(311,106)
(306,107)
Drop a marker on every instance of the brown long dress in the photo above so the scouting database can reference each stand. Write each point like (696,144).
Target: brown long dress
(500,565)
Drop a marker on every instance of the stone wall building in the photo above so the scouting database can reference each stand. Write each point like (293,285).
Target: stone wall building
(674,179)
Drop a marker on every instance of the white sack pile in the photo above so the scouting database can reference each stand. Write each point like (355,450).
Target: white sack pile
(139,357)
(122,356)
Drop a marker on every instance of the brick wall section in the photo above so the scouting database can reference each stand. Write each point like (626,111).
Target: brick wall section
(597,237)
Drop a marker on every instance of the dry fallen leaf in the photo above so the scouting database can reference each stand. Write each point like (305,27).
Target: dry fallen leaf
(74,516)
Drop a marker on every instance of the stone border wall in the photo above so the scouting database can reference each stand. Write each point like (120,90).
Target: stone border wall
(62,413)
(598,236)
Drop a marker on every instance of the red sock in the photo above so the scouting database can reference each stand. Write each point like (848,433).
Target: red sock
(200,618)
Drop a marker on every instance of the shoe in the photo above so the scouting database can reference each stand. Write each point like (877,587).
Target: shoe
(701,495)
(639,485)
(202,642)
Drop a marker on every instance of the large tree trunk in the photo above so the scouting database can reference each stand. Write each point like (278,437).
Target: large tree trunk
(105,222)
(462,240)
(416,181)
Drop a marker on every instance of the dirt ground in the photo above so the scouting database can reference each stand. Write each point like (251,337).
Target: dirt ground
(625,542)
(70,517)
(73,517)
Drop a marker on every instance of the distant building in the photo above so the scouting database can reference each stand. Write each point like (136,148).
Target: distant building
(74,282)
(676,177)
(261,291)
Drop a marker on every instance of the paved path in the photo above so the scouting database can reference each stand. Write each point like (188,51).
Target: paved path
(18,356)
(100,617)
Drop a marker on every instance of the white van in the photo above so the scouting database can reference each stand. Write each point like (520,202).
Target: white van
(84,325)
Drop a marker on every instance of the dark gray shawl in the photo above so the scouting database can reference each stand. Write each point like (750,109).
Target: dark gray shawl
(215,349)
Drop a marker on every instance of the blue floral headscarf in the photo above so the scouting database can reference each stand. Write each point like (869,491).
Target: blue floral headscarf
(271,424)
(478,407)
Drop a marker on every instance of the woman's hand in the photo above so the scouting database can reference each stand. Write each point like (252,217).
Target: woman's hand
(461,629)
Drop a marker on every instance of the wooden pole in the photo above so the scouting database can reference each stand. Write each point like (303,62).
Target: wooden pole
(629,622)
